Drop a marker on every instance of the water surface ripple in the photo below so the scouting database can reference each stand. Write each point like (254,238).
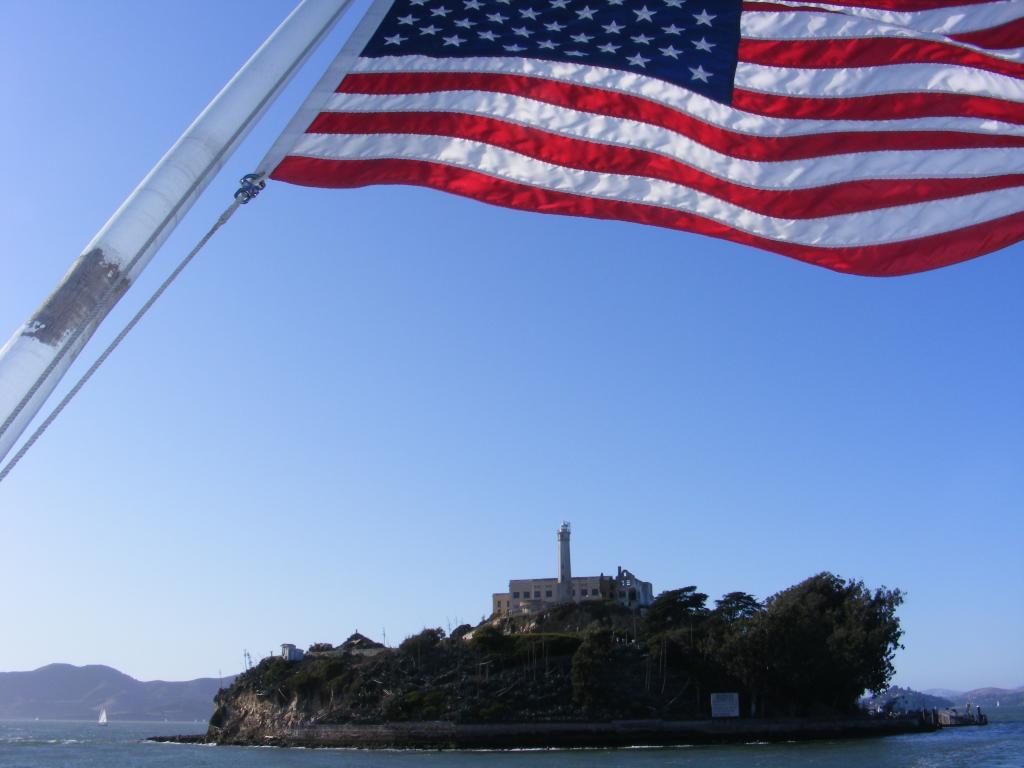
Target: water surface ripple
(52,744)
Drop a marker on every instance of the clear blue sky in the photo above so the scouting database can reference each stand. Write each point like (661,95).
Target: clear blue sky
(369,409)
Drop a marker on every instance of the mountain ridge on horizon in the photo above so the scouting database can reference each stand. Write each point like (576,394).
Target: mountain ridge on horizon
(61,691)
(986,696)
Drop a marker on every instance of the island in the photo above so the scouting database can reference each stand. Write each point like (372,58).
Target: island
(591,673)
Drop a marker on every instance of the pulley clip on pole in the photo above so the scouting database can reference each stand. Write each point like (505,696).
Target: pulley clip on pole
(251,185)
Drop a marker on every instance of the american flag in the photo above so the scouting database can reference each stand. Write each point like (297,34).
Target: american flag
(878,137)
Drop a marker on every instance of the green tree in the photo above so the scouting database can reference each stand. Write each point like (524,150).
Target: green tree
(676,609)
(491,641)
(590,667)
(737,606)
(827,640)
(734,640)
(421,647)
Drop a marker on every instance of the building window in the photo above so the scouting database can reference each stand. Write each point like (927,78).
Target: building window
(515,595)
(547,593)
(536,593)
(574,593)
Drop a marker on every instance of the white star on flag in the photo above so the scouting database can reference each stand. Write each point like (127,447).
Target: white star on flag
(700,74)
(703,17)
(703,45)
(637,61)
(670,51)
(644,15)
(454,40)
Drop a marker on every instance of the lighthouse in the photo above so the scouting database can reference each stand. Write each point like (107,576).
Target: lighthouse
(564,565)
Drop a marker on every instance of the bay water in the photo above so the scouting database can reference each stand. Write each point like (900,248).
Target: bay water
(53,744)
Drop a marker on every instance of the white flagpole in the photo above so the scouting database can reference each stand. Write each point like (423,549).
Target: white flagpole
(35,358)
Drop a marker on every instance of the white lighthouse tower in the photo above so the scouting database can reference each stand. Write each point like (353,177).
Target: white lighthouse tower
(564,564)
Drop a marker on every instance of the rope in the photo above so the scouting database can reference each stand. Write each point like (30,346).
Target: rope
(221,221)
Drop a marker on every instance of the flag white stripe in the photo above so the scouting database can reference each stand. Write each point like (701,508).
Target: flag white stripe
(807,25)
(658,91)
(776,175)
(852,82)
(841,231)
(941,21)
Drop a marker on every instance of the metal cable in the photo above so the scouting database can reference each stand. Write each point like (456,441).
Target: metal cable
(221,221)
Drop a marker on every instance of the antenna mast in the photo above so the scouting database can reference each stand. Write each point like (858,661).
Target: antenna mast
(35,358)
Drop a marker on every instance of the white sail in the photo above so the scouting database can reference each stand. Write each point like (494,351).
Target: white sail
(103,717)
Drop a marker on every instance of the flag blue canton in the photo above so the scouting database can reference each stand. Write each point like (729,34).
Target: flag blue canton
(687,43)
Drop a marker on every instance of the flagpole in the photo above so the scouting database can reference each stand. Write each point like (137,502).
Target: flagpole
(35,358)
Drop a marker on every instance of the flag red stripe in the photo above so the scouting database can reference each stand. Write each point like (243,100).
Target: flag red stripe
(1005,36)
(876,260)
(869,52)
(895,106)
(597,101)
(815,202)
(904,6)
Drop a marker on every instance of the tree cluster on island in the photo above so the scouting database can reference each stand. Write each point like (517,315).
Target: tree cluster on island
(897,700)
(811,649)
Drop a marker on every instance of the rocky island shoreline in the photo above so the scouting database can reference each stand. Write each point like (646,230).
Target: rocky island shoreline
(591,674)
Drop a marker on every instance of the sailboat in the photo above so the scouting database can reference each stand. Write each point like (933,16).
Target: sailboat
(103,717)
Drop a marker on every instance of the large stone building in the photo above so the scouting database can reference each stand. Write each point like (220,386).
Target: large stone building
(532,595)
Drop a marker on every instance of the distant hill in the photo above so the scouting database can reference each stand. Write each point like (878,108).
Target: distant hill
(945,693)
(66,692)
(987,697)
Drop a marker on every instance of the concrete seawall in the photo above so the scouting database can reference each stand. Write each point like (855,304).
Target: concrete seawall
(621,733)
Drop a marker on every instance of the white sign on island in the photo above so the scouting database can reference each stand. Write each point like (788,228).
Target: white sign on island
(725,705)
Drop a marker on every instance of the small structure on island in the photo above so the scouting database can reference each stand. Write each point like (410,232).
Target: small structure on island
(361,645)
(356,645)
(952,718)
(290,653)
(533,595)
